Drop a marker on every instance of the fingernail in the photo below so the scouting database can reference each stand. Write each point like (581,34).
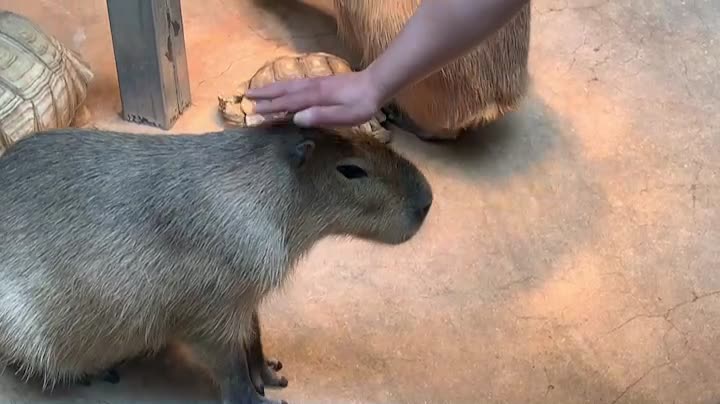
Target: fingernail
(261,106)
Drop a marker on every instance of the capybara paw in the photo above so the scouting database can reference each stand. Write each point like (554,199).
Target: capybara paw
(111,376)
(274,364)
(267,375)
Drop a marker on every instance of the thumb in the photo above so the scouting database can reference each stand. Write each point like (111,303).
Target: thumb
(305,117)
(335,115)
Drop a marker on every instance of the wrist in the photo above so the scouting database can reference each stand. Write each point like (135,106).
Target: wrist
(380,87)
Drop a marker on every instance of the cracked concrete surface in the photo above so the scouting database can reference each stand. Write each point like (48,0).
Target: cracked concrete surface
(573,251)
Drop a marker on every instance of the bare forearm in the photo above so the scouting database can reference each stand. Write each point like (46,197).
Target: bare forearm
(439,32)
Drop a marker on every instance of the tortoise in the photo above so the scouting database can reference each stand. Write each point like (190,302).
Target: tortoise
(43,83)
(238,110)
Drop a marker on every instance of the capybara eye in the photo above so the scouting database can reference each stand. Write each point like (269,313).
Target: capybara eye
(351,171)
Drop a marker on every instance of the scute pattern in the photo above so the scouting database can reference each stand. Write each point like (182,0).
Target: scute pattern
(238,110)
(42,82)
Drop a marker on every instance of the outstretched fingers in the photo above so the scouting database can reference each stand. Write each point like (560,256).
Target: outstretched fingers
(277,89)
(291,102)
(284,88)
(333,101)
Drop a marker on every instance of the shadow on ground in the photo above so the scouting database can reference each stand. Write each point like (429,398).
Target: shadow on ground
(306,26)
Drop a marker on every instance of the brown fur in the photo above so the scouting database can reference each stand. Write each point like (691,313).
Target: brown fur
(472,91)
(115,244)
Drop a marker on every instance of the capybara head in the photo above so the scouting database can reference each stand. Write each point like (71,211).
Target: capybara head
(360,187)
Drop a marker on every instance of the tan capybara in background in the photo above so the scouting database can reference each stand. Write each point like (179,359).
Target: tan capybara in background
(472,91)
(118,244)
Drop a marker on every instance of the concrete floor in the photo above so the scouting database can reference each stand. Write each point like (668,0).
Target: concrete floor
(571,256)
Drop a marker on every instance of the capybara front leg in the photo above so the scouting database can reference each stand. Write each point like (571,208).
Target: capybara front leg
(232,374)
(263,371)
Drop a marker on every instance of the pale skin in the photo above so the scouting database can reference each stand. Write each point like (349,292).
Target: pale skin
(439,32)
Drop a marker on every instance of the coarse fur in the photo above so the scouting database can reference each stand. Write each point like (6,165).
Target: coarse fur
(472,91)
(118,244)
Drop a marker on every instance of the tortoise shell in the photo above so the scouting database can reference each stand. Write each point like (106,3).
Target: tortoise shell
(42,82)
(238,110)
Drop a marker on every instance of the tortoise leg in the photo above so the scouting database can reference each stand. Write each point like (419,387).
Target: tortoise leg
(378,130)
(232,107)
(242,89)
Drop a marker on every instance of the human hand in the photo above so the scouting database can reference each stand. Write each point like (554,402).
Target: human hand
(345,99)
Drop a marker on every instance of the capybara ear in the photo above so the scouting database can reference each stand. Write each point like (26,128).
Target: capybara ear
(302,152)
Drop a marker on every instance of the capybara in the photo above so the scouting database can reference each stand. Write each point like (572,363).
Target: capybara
(117,244)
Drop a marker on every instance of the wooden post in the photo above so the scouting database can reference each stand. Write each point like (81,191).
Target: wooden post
(149,45)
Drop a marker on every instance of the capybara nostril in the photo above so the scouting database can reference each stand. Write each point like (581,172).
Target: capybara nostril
(426,209)
(422,212)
